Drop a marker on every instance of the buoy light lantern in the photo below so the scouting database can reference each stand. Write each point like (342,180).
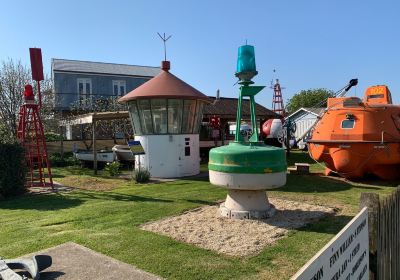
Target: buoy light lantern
(247,168)
(246,63)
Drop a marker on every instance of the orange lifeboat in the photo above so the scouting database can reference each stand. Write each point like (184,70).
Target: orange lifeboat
(357,137)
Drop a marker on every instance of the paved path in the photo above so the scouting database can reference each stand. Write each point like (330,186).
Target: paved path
(75,262)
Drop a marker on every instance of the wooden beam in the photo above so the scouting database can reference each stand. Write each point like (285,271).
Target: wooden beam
(91,117)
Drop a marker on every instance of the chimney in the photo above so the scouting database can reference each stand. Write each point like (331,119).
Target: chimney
(165,65)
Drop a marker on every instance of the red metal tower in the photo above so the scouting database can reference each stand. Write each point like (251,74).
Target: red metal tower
(30,129)
(277,101)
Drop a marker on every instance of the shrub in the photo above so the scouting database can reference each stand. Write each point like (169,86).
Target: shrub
(68,160)
(141,175)
(52,136)
(112,168)
(12,169)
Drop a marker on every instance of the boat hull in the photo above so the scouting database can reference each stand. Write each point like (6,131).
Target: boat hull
(107,156)
(357,159)
(123,153)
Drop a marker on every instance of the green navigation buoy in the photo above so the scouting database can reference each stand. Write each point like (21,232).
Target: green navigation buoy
(247,168)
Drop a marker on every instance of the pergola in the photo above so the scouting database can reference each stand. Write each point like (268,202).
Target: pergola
(93,118)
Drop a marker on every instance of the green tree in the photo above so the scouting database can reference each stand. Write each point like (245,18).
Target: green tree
(309,98)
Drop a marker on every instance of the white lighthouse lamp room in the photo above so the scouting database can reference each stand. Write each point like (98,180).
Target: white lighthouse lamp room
(166,114)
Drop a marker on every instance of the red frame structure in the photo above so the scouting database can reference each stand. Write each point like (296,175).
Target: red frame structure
(30,129)
(31,136)
(277,101)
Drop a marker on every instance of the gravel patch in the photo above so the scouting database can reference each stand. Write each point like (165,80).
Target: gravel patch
(204,227)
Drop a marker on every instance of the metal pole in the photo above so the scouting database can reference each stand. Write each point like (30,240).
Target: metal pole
(94,148)
(254,137)
(288,129)
(39,94)
(62,142)
(238,136)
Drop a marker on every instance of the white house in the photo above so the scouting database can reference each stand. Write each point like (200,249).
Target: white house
(305,118)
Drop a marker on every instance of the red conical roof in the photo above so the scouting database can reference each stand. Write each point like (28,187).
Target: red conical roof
(164,85)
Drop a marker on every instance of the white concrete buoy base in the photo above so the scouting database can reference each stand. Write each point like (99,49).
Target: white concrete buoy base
(247,204)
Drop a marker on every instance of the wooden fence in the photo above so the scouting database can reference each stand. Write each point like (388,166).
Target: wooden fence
(384,234)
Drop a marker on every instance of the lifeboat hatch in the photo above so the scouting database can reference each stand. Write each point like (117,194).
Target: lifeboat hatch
(378,95)
(352,102)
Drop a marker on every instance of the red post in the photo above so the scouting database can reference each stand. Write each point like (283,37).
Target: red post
(39,94)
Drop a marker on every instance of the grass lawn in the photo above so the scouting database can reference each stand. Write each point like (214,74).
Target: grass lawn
(104,214)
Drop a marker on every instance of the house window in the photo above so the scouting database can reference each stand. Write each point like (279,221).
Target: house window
(119,87)
(84,90)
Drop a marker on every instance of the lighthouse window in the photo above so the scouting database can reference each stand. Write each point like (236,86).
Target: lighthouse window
(165,116)
(145,116)
(189,111)
(159,112)
(134,114)
(198,117)
(348,124)
(174,115)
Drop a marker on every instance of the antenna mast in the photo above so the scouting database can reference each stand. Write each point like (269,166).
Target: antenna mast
(165,39)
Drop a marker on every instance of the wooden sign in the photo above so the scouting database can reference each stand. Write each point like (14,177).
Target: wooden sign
(345,257)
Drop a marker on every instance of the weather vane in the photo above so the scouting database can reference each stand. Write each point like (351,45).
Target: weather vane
(165,46)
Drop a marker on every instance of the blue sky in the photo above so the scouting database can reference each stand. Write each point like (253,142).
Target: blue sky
(311,44)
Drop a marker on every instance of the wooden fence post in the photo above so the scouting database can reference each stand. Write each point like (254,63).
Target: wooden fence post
(371,201)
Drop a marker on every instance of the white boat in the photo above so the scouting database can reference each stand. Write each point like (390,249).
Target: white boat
(102,156)
(123,153)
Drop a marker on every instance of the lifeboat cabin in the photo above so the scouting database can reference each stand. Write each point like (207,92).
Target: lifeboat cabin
(357,137)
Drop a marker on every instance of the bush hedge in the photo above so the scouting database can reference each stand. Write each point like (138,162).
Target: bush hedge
(141,176)
(12,169)
(67,160)
(52,136)
(113,168)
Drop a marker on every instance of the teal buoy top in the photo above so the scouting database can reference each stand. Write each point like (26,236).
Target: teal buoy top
(246,61)
(247,157)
